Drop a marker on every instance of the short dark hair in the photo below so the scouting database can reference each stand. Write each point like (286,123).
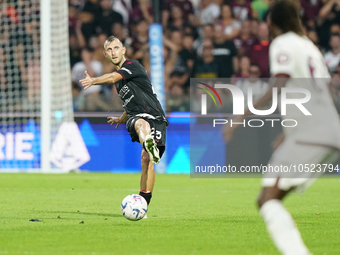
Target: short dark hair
(175,30)
(111,39)
(285,15)
(188,35)
(231,10)
(119,23)
(140,20)
(335,34)
(255,64)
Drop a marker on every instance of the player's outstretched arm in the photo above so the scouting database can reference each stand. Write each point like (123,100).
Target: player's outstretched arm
(105,79)
(117,120)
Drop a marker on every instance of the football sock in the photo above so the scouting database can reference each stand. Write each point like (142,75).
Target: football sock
(282,228)
(147,195)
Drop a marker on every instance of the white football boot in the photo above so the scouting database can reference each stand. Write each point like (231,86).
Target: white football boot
(151,147)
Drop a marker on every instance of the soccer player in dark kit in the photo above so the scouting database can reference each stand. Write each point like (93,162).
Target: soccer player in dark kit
(144,117)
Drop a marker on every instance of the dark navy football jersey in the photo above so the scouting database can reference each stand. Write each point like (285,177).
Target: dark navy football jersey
(136,91)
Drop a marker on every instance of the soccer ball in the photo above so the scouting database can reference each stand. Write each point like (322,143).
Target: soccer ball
(134,207)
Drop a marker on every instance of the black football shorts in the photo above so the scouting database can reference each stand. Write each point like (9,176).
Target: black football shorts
(158,131)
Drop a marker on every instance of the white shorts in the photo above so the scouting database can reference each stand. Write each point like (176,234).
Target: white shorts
(294,156)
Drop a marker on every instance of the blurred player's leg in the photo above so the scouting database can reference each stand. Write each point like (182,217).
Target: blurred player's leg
(280,223)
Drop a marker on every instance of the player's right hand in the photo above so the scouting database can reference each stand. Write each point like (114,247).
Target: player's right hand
(114,120)
(87,82)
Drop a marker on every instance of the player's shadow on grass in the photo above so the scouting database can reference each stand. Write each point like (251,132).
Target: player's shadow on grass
(90,213)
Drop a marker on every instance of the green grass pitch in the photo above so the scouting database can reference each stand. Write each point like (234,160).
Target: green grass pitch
(80,214)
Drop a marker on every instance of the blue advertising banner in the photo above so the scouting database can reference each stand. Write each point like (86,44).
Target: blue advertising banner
(20,147)
(110,149)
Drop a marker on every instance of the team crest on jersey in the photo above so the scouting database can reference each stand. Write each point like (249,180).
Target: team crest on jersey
(283,58)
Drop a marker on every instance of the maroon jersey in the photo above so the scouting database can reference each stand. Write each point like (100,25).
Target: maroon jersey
(259,54)
(241,12)
(247,44)
(136,15)
(310,8)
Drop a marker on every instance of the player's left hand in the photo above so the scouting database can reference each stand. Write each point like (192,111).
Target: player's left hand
(114,120)
(87,82)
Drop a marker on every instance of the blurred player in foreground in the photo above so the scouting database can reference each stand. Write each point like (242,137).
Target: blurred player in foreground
(315,140)
(144,117)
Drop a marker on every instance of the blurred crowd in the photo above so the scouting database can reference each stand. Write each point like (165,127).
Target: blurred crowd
(202,39)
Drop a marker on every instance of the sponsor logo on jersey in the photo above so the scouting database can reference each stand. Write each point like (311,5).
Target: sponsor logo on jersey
(283,58)
(128,100)
(123,91)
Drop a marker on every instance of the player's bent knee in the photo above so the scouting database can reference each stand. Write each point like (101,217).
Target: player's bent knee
(138,125)
(141,124)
